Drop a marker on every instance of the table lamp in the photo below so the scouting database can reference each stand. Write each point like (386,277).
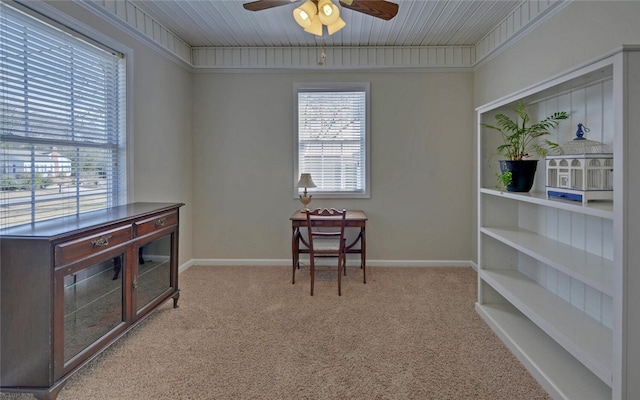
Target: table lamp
(305,182)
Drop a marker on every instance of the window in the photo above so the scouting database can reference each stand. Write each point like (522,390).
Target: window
(62,129)
(331,138)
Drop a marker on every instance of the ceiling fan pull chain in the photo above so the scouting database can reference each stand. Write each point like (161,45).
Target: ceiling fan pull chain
(323,55)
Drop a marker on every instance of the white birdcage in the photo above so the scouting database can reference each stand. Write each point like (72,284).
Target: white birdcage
(581,170)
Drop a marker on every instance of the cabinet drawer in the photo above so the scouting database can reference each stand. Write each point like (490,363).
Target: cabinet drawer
(74,250)
(155,223)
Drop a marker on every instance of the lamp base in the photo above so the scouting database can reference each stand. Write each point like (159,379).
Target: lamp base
(305,200)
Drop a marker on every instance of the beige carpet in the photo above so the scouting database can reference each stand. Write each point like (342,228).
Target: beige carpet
(247,333)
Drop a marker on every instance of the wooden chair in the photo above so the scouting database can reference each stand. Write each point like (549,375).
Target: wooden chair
(328,241)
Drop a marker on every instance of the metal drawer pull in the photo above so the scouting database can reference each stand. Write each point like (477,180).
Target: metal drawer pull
(159,222)
(101,241)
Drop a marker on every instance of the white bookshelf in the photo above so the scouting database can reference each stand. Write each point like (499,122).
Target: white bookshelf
(557,278)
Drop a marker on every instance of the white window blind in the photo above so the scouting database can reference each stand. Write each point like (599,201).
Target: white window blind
(332,138)
(62,126)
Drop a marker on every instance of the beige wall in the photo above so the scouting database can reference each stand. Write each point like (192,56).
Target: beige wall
(162,161)
(224,145)
(160,138)
(421,126)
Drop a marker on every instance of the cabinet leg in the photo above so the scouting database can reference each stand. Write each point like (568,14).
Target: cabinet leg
(175,297)
(50,394)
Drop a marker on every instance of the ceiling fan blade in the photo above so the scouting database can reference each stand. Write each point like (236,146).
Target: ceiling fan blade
(376,8)
(260,5)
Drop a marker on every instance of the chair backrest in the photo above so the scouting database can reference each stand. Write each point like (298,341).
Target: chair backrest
(326,223)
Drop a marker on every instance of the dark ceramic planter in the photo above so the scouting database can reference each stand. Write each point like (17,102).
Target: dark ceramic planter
(523,172)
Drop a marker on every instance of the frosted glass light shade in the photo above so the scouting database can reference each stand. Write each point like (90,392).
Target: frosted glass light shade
(328,12)
(305,14)
(315,27)
(336,26)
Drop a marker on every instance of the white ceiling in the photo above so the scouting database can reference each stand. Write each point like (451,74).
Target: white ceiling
(222,23)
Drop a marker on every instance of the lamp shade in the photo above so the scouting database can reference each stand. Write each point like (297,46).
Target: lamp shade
(316,26)
(336,26)
(328,13)
(305,13)
(305,181)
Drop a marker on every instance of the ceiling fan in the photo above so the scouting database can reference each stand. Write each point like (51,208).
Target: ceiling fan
(313,14)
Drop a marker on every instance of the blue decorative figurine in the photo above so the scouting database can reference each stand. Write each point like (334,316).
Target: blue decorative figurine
(580,132)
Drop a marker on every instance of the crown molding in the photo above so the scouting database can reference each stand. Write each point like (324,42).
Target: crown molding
(388,57)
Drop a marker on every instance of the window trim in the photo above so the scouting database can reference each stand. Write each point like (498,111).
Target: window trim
(334,86)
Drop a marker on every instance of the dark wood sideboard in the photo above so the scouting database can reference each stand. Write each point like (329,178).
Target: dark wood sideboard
(72,286)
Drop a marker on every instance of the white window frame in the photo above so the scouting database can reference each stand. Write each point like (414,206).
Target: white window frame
(333,87)
(49,15)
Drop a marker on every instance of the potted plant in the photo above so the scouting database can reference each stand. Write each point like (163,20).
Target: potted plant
(521,140)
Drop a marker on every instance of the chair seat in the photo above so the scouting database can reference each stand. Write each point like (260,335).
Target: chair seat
(326,244)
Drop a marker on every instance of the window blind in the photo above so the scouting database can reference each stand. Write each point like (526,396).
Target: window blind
(332,139)
(62,124)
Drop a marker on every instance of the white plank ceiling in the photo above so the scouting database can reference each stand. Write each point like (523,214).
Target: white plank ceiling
(225,23)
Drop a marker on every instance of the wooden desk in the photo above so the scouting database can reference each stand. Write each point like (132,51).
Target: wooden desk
(354,219)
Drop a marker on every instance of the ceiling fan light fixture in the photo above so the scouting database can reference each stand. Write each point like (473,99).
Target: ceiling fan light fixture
(328,12)
(315,27)
(305,13)
(336,26)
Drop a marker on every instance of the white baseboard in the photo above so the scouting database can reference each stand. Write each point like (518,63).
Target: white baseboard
(352,262)
(419,263)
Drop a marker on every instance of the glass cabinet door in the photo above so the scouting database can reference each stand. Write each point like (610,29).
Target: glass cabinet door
(93,303)
(154,270)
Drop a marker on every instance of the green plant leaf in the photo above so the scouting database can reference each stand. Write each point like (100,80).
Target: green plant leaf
(520,140)
(504,180)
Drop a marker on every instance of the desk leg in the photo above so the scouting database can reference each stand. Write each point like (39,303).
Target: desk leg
(295,255)
(363,254)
